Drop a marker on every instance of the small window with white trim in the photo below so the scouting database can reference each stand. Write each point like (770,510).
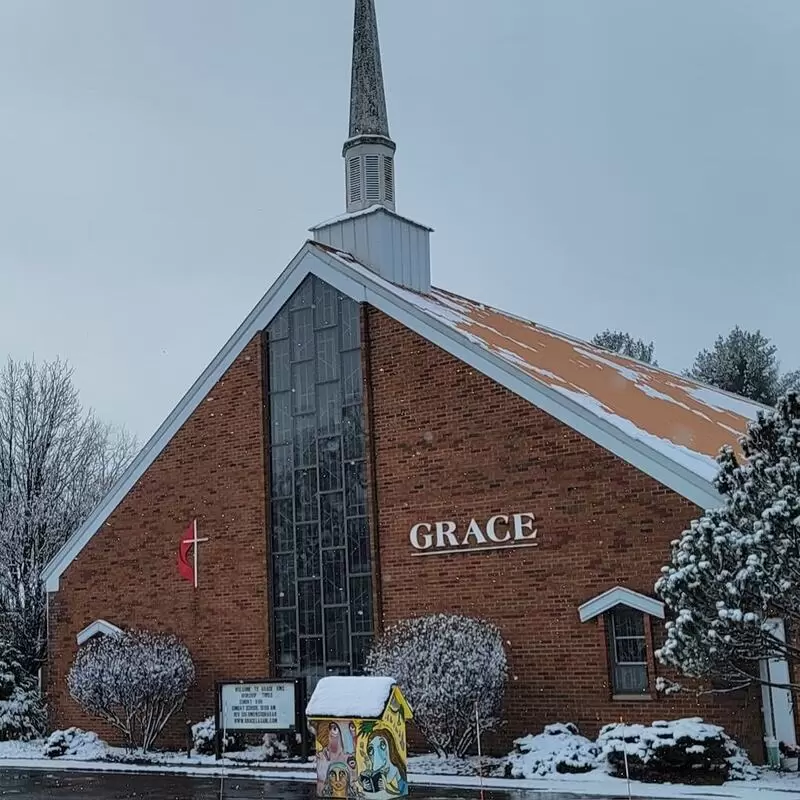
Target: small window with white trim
(627,642)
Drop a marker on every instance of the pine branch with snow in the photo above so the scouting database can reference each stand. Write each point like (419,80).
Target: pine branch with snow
(135,682)
(737,568)
(672,751)
(22,715)
(445,664)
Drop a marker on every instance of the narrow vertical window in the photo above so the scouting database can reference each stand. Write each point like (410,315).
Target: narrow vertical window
(628,651)
(321,571)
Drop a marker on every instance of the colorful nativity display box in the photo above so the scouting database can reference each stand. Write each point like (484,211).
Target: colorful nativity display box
(360,728)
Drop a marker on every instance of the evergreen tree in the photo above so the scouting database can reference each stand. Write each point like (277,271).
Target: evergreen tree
(744,363)
(624,344)
(738,567)
(22,715)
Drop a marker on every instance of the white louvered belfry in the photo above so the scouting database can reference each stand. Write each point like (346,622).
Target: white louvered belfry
(370,175)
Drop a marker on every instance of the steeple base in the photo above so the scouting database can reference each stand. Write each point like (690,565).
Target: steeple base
(394,247)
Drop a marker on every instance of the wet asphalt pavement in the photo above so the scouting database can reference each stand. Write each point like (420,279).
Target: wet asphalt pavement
(47,785)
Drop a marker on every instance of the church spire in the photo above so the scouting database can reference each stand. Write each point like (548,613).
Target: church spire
(369,152)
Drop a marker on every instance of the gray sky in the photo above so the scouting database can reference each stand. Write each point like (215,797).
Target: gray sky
(626,163)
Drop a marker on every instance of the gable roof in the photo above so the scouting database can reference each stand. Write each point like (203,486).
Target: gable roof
(664,425)
(99,626)
(686,421)
(617,596)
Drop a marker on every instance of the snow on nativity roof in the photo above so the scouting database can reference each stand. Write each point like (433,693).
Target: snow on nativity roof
(685,421)
(350,697)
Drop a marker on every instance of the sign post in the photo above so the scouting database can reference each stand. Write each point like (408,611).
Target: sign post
(265,704)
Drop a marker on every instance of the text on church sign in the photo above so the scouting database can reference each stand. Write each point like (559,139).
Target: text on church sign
(259,706)
(498,532)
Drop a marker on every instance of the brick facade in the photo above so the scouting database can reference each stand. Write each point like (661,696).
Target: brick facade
(445,443)
(213,469)
(451,444)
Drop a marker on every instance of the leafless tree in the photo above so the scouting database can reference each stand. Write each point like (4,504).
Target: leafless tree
(57,460)
(135,682)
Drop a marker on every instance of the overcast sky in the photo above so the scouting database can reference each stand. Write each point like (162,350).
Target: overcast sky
(625,163)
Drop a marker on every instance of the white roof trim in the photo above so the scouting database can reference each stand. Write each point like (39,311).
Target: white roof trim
(364,286)
(99,626)
(373,209)
(620,596)
(273,300)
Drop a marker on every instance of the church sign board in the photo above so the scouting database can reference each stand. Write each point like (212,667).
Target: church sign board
(272,706)
(500,532)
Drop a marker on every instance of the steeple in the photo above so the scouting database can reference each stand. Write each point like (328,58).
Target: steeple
(394,247)
(369,152)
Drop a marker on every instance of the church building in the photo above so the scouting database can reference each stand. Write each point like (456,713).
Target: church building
(368,447)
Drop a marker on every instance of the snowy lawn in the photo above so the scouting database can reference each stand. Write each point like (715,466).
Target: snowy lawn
(424,771)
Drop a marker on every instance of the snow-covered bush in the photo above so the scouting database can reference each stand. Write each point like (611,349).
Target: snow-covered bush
(275,748)
(738,567)
(560,748)
(445,664)
(74,742)
(22,714)
(203,734)
(135,682)
(683,750)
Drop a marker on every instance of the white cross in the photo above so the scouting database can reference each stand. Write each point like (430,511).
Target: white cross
(194,541)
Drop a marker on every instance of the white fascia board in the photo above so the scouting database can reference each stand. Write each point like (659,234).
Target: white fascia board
(270,304)
(617,596)
(99,626)
(665,471)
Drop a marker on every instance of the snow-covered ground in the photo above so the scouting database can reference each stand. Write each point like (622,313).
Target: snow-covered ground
(424,771)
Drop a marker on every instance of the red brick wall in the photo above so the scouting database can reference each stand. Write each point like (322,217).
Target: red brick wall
(450,444)
(213,469)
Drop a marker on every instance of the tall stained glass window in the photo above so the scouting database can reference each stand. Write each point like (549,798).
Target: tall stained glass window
(320,548)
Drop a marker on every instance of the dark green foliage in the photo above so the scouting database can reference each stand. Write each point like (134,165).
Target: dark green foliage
(746,364)
(626,345)
(681,751)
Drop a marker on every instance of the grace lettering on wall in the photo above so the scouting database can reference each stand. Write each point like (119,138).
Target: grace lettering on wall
(500,532)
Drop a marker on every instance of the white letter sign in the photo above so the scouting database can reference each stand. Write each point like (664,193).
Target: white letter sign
(491,529)
(523,522)
(426,536)
(502,532)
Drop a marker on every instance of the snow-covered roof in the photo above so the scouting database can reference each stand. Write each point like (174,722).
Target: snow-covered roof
(665,425)
(343,696)
(686,421)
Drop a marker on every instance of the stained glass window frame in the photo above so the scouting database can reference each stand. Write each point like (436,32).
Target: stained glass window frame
(330,382)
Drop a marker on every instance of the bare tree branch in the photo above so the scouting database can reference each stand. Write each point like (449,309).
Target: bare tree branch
(57,460)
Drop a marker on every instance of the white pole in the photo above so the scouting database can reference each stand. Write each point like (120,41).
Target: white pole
(195,552)
(625,756)
(480,754)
